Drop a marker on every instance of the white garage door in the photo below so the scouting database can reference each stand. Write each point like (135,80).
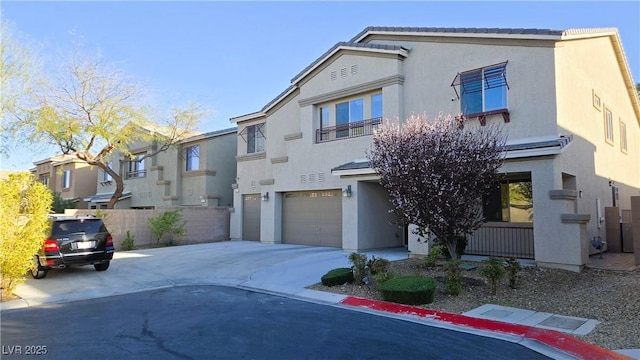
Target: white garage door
(251,217)
(312,218)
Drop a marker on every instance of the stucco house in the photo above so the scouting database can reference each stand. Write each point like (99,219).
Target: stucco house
(198,171)
(566,98)
(73,178)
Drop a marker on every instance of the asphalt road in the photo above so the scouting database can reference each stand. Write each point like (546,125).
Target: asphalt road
(212,322)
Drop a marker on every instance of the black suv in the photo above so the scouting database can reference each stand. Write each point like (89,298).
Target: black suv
(74,241)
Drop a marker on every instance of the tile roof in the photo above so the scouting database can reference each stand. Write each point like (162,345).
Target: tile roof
(513,31)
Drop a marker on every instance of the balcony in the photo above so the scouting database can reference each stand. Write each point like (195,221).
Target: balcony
(136,174)
(347,131)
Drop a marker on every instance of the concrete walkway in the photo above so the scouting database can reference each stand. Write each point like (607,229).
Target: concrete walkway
(287,270)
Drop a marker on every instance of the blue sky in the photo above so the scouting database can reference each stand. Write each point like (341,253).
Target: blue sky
(234,57)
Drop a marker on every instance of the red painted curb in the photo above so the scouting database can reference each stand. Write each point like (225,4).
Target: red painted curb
(555,339)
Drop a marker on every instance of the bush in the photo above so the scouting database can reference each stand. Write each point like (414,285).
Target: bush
(435,252)
(24,207)
(168,224)
(383,276)
(378,265)
(127,243)
(514,267)
(453,277)
(494,271)
(337,276)
(359,267)
(58,204)
(410,290)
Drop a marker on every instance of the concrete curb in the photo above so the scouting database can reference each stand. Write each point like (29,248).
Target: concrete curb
(554,339)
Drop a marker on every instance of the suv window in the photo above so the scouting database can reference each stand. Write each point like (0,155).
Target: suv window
(78,226)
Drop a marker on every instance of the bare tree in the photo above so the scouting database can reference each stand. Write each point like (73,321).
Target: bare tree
(436,173)
(93,110)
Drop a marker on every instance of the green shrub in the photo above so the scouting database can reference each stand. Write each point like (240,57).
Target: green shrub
(383,276)
(435,252)
(168,224)
(24,208)
(337,276)
(453,276)
(494,271)
(127,243)
(378,265)
(410,290)
(58,204)
(359,267)
(513,266)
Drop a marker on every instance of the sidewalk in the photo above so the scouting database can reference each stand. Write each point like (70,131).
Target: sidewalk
(287,270)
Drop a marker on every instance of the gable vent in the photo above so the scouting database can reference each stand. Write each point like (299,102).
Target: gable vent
(354,69)
(343,72)
(303,179)
(334,75)
(320,177)
(312,178)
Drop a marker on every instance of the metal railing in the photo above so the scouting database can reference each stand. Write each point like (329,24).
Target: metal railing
(347,131)
(502,241)
(136,174)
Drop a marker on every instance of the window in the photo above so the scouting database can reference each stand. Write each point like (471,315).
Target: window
(136,167)
(608,126)
(324,122)
(193,158)
(376,106)
(255,138)
(623,137)
(66,179)
(596,100)
(511,201)
(45,179)
(106,177)
(348,112)
(483,90)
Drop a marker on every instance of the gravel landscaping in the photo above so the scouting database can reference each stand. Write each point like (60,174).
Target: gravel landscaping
(610,297)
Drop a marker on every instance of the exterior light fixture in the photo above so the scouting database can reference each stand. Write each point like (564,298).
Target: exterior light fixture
(347,192)
(265,196)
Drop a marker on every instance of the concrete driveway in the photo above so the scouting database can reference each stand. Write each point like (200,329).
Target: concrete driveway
(282,269)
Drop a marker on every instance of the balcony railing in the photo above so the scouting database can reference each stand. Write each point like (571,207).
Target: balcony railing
(347,131)
(136,174)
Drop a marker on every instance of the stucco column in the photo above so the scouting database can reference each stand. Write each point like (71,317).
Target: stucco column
(635,227)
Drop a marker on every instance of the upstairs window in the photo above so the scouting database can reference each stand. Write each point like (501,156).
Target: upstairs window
(136,167)
(623,137)
(325,116)
(376,106)
(193,158)
(66,179)
(254,136)
(348,112)
(608,126)
(45,179)
(482,90)
(106,177)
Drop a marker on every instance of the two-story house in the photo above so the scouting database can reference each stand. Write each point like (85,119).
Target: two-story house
(566,100)
(198,171)
(73,178)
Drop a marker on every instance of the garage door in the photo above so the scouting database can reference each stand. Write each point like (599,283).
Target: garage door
(251,217)
(312,218)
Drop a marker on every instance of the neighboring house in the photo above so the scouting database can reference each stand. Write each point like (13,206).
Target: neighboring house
(566,99)
(73,178)
(197,172)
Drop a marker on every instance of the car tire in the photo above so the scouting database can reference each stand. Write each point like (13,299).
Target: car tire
(38,271)
(101,267)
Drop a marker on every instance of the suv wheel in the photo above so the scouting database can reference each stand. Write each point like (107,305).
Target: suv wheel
(101,267)
(38,272)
